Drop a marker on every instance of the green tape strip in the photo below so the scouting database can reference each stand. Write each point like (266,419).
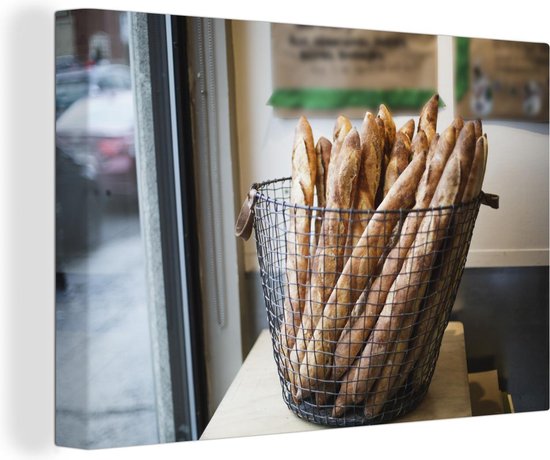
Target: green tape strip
(462,67)
(327,98)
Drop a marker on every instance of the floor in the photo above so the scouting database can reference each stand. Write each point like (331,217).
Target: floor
(505,317)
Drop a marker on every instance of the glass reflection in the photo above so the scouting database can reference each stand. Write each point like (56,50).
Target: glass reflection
(104,382)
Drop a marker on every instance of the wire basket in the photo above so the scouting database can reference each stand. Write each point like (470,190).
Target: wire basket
(356,319)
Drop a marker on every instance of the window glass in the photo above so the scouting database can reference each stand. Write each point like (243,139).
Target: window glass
(105,393)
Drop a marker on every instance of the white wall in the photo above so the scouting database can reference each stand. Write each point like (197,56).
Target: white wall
(517,170)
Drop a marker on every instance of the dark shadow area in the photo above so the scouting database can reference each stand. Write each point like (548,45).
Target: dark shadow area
(505,316)
(480,405)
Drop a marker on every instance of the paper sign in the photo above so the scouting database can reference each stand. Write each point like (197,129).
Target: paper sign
(497,79)
(328,69)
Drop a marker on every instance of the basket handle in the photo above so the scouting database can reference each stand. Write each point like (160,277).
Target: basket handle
(490,199)
(245,221)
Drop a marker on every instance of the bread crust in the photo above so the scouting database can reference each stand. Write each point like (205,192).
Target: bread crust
(371,302)
(432,309)
(403,295)
(322,151)
(341,129)
(304,165)
(356,274)
(428,117)
(408,128)
(389,128)
(372,152)
(398,160)
(328,259)
(420,142)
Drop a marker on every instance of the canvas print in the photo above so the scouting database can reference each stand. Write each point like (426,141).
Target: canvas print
(267,228)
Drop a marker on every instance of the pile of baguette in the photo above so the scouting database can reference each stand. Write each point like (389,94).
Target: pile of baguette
(357,318)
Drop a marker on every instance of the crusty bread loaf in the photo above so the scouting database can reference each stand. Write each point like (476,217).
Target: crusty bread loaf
(408,129)
(341,129)
(326,149)
(398,160)
(392,371)
(478,128)
(477,171)
(458,123)
(322,150)
(356,274)
(389,138)
(403,295)
(428,117)
(433,146)
(371,302)
(465,149)
(389,128)
(304,165)
(328,259)
(382,128)
(381,389)
(420,143)
(372,145)
(431,311)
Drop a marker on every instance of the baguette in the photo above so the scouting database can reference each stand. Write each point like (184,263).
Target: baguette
(478,129)
(384,387)
(389,128)
(371,303)
(382,129)
(381,391)
(389,138)
(327,261)
(408,129)
(398,160)
(458,123)
(402,299)
(372,145)
(356,274)
(327,390)
(420,142)
(326,149)
(341,129)
(322,150)
(477,171)
(428,117)
(465,149)
(302,193)
(435,302)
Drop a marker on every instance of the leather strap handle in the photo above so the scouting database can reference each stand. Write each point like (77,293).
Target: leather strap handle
(245,220)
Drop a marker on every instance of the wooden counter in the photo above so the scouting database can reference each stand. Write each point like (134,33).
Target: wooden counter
(253,404)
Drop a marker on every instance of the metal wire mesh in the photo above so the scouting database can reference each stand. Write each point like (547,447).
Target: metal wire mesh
(357,319)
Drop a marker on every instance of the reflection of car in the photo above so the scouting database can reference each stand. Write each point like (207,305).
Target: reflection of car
(78,209)
(71,85)
(97,132)
(65,63)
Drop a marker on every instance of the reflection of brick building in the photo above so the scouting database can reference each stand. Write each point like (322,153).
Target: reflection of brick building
(87,34)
